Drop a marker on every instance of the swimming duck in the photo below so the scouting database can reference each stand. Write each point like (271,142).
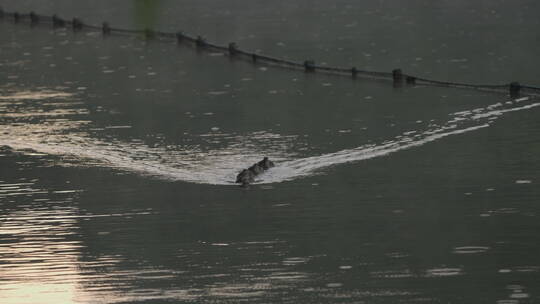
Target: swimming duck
(247,176)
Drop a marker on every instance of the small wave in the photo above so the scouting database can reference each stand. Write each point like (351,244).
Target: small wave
(35,95)
(470,249)
(443,272)
(393,274)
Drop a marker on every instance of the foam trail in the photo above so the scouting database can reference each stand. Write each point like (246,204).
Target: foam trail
(308,166)
(211,168)
(61,136)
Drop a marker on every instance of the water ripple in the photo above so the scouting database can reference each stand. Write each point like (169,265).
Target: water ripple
(64,136)
(443,272)
(470,249)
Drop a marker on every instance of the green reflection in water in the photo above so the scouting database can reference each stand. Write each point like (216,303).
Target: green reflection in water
(145,13)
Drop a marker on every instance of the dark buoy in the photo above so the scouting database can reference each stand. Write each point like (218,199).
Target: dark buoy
(254,57)
(515,87)
(58,22)
(34,19)
(233,48)
(397,76)
(354,72)
(149,33)
(77,24)
(179,37)
(200,42)
(309,66)
(410,80)
(105,28)
(16,17)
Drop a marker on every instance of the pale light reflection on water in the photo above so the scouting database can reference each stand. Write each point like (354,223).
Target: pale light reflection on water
(41,248)
(42,258)
(35,243)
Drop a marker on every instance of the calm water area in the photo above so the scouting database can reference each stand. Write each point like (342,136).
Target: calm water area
(118,155)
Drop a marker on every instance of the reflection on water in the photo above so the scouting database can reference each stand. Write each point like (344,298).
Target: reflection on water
(36,243)
(42,258)
(146,16)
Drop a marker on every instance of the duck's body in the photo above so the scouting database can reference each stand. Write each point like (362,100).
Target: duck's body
(256,169)
(266,163)
(247,176)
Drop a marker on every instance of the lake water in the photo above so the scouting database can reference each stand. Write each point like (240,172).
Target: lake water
(118,155)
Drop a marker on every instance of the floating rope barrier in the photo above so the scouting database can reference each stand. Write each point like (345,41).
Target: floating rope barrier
(515,89)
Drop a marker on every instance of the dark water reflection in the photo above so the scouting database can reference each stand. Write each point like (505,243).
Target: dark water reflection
(117,155)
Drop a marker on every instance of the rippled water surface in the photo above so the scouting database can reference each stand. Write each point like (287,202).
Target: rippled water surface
(118,156)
